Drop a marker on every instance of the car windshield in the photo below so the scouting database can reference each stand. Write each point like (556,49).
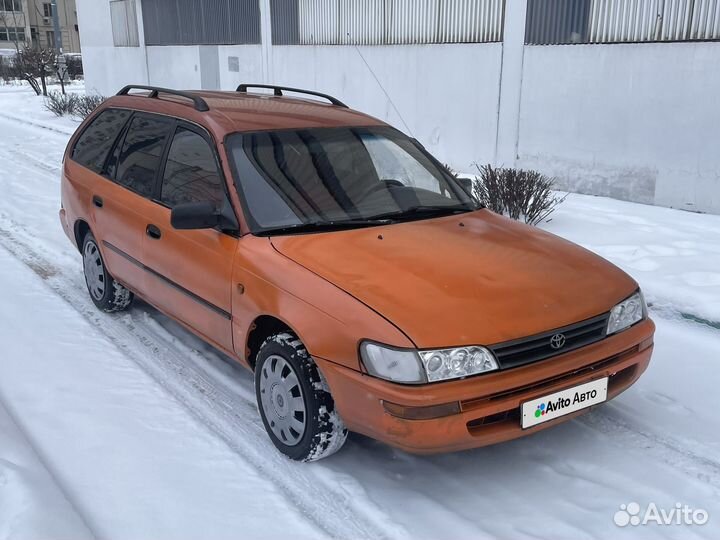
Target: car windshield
(332,178)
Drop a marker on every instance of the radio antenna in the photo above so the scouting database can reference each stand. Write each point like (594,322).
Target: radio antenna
(357,49)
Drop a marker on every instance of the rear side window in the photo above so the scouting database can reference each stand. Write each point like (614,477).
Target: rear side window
(94,143)
(141,152)
(191,172)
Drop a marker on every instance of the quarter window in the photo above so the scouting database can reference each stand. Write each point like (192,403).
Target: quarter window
(141,153)
(93,146)
(191,173)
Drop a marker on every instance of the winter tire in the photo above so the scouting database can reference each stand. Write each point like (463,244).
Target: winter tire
(106,293)
(294,401)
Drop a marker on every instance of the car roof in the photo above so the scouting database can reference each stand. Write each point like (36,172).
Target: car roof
(231,112)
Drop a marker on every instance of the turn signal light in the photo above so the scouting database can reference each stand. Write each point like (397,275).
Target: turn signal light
(422,413)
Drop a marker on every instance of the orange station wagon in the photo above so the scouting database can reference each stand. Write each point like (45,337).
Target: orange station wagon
(340,262)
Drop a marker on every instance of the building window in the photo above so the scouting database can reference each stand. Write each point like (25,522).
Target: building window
(50,39)
(47,10)
(10,5)
(555,22)
(201,22)
(124,23)
(11,33)
(386,22)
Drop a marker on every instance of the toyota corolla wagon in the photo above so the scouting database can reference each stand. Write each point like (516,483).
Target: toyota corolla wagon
(338,260)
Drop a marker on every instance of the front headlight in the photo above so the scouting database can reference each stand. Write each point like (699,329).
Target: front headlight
(626,313)
(411,366)
(397,365)
(446,364)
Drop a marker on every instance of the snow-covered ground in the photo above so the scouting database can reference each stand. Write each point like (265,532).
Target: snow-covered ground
(126,426)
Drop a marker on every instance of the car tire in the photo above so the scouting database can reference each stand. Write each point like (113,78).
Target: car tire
(106,293)
(294,401)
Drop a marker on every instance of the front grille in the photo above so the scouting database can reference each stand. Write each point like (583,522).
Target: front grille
(518,352)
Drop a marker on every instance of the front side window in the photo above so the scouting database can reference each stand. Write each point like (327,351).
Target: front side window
(333,176)
(141,153)
(191,172)
(94,143)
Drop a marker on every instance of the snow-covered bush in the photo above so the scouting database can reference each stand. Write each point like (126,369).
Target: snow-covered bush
(61,104)
(79,106)
(516,193)
(87,104)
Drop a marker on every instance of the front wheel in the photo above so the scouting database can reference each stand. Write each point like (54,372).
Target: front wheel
(294,400)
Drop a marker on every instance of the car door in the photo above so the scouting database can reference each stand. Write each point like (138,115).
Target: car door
(190,271)
(120,205)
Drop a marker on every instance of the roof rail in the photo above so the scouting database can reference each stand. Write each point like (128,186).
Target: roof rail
(199,103)
(278,91)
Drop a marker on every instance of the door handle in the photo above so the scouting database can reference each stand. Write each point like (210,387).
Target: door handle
(97,201)
(153,231)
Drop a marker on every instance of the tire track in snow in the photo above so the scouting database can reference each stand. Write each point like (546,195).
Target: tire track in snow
(25,122)
(664,449)
(231,417)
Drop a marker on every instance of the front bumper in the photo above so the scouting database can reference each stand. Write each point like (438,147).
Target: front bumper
(489,404)
(65,225)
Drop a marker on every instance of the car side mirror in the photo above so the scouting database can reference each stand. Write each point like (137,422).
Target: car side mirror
(467,184)
(203,215)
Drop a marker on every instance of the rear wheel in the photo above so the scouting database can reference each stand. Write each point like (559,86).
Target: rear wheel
(295,401)
(106,293)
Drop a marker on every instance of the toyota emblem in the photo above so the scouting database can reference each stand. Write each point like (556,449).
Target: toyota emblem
(557,341)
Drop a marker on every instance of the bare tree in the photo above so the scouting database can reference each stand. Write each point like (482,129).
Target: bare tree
(34,64)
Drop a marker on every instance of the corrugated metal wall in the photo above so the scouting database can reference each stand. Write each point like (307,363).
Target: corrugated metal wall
(201,22)
(284,20)
(616,21)
(654,20)
(381,22)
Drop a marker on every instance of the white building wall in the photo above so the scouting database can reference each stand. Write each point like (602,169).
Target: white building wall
(638,121)
(107,68)
(249,62)
(174,67)
(633,121)
(444,95)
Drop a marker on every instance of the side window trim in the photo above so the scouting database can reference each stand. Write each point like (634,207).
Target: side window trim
(157,188)
(119,141)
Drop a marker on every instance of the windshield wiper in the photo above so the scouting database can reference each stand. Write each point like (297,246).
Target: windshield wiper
(324,226)
(421,211)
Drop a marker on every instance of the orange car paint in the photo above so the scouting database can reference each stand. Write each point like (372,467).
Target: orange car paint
(475,278)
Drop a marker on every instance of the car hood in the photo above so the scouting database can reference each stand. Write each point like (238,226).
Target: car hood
(474,278)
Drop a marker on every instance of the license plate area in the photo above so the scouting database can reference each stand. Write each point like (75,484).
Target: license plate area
(546,408)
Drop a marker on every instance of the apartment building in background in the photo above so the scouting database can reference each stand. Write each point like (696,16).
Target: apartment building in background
(30,23)
(611,97)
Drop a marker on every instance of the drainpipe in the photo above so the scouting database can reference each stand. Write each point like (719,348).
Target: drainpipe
(56,26)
